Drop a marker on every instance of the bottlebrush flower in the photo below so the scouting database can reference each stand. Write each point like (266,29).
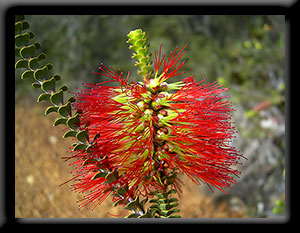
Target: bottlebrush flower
(143,134)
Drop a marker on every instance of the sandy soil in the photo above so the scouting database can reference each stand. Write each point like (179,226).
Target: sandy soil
(39,170)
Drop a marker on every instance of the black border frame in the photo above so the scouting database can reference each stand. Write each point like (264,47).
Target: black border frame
(291,40)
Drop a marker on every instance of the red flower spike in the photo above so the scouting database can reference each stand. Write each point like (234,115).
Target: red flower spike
(136,139)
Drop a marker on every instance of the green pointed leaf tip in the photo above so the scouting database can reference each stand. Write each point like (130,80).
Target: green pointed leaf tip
(82,136)
(65,110)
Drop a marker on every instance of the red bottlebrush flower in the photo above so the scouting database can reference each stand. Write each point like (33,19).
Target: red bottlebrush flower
(142,132)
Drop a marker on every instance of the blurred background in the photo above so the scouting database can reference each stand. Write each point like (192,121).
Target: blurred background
(245,53)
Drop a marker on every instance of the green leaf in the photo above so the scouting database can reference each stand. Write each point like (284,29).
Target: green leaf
(71,99)
(132,216)
(111,177)
(175,216)
(172,211)
(37,45)
(60,121)
(49,66)
(65,110)
(18,27)
(79,146)
(43,96)
(41,74)
(63,88)
(27,74)
(117,202)
(48,85)
(82,136)
(36,85)
(22,40)
(98,175)
(73,122)
(51,109)
(70,133)
(22,63)
(28,51)
(57,98)
(42,56)
(57,77)
(25,25)
(33,63)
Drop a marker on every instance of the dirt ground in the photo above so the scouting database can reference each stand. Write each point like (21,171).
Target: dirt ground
(39,170)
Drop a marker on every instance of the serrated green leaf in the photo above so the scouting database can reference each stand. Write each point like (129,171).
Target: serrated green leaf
(51,109)
(48,85)
(43,96)
(28,51)
(27,74)
(82,136)
(41,74)
(33,63)
(57,98)
(60,121)
(22,63)
(70,133)
(73,122)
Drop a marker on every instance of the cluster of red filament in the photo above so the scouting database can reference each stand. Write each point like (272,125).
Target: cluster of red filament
(197,142)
